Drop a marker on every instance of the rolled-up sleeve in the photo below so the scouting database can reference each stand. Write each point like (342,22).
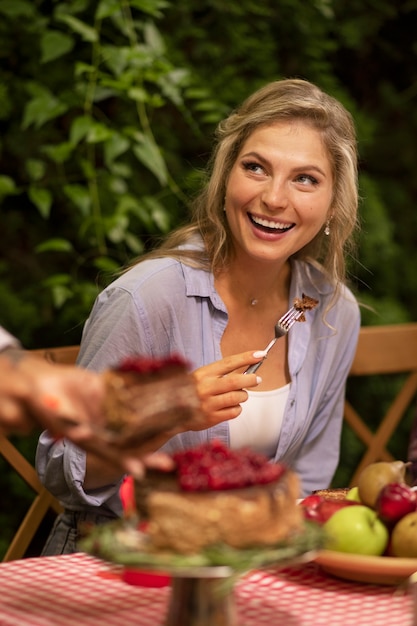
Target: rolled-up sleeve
(61,468)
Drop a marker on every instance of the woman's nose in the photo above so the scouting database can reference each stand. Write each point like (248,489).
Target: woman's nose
(275,195)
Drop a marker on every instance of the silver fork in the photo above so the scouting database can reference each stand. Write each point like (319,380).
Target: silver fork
(282,327)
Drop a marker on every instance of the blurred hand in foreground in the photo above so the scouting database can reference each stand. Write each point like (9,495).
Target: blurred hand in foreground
(66,401)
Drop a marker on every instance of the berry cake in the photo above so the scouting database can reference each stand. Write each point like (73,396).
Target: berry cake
(149,397)
(218,495)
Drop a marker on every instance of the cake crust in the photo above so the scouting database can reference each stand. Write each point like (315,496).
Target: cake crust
(338,493)
(241,518)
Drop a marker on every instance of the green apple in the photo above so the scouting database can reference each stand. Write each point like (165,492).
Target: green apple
(353,494)
(356,530)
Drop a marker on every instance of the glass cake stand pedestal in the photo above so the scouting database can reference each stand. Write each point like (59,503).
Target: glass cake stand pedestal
(202,596)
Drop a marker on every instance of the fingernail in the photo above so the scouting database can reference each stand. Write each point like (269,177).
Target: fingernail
(134,467)
(259,353)
(258,379)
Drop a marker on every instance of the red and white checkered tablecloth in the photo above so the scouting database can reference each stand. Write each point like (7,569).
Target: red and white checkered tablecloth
(79,589)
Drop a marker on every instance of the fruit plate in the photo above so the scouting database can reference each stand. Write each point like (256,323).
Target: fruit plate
(381,570)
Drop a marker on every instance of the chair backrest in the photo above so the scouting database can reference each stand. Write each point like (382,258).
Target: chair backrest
(44,501)
(66,355)
(381,350)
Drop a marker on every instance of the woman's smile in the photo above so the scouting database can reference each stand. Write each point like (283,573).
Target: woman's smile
(268,225)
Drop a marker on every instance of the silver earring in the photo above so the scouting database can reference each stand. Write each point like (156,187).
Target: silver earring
(224,209)
(327,228)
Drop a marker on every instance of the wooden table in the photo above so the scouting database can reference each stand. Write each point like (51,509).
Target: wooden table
(79,589)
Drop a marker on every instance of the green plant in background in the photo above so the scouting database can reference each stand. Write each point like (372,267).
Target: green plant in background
(107,111)
(85,147)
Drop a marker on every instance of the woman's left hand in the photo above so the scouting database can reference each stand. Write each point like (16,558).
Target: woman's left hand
(222,388)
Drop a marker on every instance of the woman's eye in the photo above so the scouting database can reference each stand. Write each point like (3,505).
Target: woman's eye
(251,166)
(306,179)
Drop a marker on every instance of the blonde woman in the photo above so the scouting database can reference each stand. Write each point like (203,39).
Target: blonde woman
(274,220)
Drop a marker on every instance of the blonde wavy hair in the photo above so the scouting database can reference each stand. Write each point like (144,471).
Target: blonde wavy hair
(284,100)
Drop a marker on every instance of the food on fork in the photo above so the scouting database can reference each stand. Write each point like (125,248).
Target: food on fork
(305,303)
(149,397)
(219,496)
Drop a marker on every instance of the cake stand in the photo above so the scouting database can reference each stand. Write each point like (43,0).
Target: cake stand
(202,585)
(202,596)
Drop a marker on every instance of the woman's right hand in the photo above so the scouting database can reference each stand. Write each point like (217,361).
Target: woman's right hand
(221,386)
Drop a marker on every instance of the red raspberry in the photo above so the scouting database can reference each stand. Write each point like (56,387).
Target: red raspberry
(214,466)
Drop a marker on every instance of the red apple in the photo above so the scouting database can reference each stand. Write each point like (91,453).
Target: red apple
(327,508)
(319,508)
(394,501)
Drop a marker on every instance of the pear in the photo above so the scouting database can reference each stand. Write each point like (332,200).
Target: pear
(404,537)
(375,476)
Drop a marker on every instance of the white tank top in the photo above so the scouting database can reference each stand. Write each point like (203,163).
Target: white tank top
(259,424)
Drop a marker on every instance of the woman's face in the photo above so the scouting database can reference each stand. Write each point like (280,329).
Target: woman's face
(279,192)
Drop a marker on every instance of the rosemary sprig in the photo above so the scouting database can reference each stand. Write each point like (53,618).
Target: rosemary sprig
(120,542)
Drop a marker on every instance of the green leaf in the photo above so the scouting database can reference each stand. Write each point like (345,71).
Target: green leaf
(59,153)
(35,169)
(117,185)
(148,153)
(86,32)
(83,68)
(152,7)
(107,8)
(117,232)
(7,186)
(57,279)
(120,169)
(138,94)
(17,8)
(60,295)
(129,204)
(154,39)
(79,128)
(157,211)
(79,196)
(105,264)
(116,145)
(55,245)
(116,58)
(98,132)
(42,199)
(134,243)
(55,44)
(42,108)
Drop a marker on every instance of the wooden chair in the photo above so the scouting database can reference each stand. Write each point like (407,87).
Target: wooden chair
(44,500)
(390,349)
(66,355)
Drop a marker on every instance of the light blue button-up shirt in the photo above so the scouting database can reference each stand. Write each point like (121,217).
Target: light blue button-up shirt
(161,307)
(7,340)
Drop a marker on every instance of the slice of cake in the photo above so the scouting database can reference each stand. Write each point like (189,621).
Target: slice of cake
(147,397)
(218,495)
(303,304)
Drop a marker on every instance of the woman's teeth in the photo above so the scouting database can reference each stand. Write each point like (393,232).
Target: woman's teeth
(271,225)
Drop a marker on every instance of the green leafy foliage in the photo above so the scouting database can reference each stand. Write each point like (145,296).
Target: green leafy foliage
(85,157)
